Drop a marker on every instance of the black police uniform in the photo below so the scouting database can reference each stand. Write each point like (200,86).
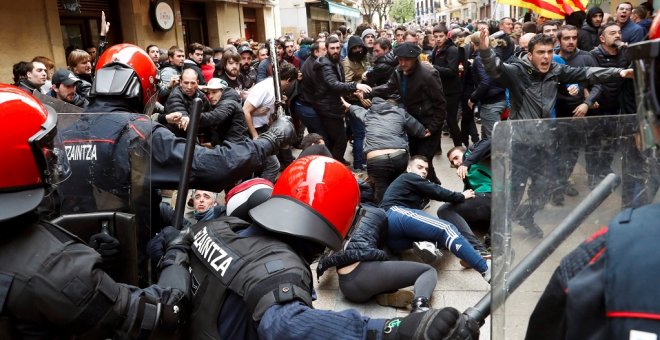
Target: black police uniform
(260,269)
(607,288)
(51,287)
(118,159)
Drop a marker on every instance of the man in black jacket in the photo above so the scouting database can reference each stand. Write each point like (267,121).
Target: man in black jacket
(384,64)
(180,100)
(588,35)
(445,59)
(330,86)
(420,90)
(610,53)
(571,102)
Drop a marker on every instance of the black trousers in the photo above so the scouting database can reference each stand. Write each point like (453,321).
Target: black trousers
(336,131)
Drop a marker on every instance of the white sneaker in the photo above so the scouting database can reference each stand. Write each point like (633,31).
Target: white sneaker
(426,251)
(487,273)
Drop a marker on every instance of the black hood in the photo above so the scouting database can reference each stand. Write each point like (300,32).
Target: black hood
(590,13)
(230,94)
(389,58)
(356,41)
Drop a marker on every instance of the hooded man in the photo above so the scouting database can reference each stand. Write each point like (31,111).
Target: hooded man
(64,88)
(588,35)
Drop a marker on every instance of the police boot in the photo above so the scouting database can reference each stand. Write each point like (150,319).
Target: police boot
(420,304)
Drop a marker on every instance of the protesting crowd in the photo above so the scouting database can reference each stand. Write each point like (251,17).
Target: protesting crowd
(308,150)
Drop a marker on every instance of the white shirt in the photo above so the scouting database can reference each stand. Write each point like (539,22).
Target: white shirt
(262,95)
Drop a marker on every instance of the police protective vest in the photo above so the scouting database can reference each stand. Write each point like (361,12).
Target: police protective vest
(262,270)
(109,156)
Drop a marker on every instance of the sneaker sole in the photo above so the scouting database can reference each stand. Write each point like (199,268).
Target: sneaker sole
(399,299)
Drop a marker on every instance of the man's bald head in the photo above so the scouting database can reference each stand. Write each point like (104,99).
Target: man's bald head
(524,40)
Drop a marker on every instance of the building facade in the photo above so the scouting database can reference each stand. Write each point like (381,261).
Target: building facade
(50,27)
(315,16)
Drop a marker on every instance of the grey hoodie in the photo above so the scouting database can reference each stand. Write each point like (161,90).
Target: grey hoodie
(386,125)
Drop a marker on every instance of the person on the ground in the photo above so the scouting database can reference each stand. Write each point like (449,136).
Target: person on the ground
(474,169)
(269,295)
(364,258)
(409,225)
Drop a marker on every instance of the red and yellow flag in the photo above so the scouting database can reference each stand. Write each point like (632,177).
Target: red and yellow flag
(554,9)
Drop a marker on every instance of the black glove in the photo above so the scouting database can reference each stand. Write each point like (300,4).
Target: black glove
(176,244)
(446,323)
(281,133)
(107,246)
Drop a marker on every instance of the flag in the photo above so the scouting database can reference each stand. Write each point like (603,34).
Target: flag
(553,9)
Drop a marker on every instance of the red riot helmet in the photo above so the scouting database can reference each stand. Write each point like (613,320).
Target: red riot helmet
(315,198)
(34,157)
(646,62)
(125,70)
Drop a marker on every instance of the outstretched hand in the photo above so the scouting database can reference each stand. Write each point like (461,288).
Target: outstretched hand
(484,39)
(627,73)
(105,26)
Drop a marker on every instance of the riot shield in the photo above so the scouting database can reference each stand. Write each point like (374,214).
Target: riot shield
(109,190)
(542,171)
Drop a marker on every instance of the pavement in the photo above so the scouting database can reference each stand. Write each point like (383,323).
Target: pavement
(457,287)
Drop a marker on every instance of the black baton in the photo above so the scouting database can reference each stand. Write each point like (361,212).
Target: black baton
(186,166)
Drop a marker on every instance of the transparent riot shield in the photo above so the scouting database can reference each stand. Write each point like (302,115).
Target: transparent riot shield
(543,172)
(109,189)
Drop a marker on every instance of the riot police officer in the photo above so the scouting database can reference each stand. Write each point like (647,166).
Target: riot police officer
(257,283)
(50,282)
(119,157)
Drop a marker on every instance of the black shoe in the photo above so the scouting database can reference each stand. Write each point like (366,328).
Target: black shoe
(420,304)
(571,191)
(558,200)
(532,228)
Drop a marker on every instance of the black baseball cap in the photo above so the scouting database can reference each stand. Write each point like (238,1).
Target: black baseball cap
(65,77)
(245,48)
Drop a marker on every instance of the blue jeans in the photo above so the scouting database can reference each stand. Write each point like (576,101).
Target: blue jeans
(310,119)
(405,226)
(358,129)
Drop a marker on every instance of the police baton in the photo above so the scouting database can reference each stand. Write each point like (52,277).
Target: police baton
(186,166)
(493,299)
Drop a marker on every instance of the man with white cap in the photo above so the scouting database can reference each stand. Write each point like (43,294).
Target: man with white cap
(225,120)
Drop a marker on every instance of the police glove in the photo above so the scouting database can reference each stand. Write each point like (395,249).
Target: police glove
(281,133)
(446,324)
(176,244)
(107,246)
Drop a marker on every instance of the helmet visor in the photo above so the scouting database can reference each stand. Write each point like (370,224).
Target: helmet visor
(49,152)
